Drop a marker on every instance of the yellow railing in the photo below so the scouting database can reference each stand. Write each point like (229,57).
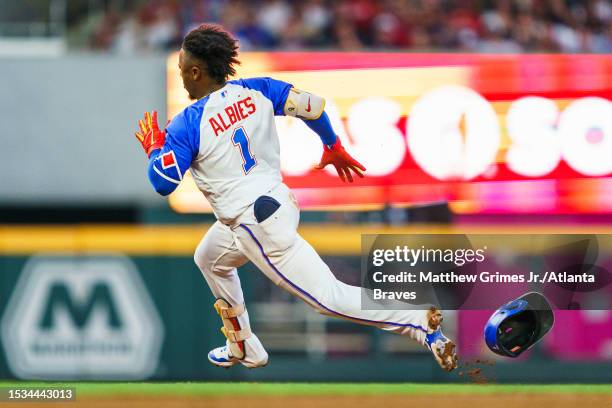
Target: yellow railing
(328,239)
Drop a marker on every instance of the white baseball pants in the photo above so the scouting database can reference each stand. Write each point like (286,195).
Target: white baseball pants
(276,248)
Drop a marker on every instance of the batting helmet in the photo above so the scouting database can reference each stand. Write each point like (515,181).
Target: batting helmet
(519,324)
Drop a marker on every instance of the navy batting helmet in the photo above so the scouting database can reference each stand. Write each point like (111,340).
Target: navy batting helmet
(519,324)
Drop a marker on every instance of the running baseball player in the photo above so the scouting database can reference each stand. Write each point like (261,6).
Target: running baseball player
(227,139)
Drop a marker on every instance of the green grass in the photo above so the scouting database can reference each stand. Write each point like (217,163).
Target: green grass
(244,388)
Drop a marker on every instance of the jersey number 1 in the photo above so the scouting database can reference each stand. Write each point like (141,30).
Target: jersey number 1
(240,139)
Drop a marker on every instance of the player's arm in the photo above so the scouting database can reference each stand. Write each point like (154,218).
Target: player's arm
(170,152)
(311,109)
(286,100)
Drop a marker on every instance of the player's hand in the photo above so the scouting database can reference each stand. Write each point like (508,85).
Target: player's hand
(341,160)
(150,137)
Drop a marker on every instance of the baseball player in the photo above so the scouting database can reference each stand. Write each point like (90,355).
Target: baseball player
(227,139)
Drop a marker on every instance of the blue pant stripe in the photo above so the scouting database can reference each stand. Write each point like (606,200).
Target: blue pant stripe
(308,295)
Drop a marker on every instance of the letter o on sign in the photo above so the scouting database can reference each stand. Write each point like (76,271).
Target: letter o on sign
(453,133)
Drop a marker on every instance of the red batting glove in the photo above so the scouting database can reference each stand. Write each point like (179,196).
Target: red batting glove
(150,137)
(341,160)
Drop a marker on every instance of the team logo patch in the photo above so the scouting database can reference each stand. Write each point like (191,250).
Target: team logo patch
(168,160)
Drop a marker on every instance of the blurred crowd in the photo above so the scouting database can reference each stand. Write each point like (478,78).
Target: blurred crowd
(501,26)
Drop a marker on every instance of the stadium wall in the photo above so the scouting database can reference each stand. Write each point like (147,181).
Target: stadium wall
(68,125)
(127,302)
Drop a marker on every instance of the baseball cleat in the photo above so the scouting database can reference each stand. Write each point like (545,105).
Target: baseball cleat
(442,348)
(221,357)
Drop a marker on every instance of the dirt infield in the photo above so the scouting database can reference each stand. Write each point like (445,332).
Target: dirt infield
(362,401)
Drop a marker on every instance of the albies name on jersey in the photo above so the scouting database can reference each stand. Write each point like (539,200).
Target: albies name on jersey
(238,111)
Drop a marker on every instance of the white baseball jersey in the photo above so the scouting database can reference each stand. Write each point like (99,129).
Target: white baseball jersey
(228,140)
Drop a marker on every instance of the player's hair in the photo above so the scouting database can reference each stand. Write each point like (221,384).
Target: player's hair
(216,48)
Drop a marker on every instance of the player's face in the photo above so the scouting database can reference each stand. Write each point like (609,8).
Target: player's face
(186,70)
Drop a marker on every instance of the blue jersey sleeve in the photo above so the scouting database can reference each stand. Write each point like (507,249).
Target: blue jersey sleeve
(276,91)
(168,165)
(322,127)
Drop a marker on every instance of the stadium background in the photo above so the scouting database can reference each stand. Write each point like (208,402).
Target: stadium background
(97,279)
